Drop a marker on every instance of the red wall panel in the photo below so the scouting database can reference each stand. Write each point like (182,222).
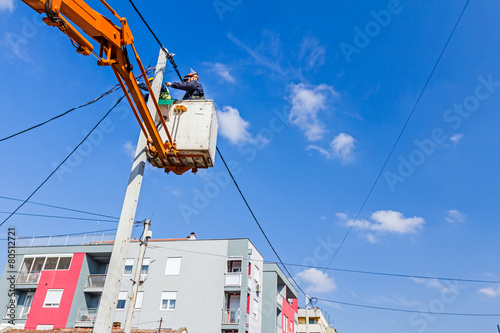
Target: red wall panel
(58,279)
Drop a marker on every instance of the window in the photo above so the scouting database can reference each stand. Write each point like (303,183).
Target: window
(234,265)
(173,266)
(44,327)
(313,321)
(255,308)
(145,267)
(129,264)
(53,298)
(138,300)
(168,299)
(51,263)
(122,299)
(37,264)
(64,263)
(26,265)
(256,274)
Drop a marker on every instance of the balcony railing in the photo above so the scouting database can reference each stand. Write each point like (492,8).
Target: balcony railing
(95,281)
(233,280)
(21,312)
(279,299)
(63,240)
(86,315)
(28,278)
(231,316)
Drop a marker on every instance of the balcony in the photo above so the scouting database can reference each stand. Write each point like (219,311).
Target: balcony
(279,300)
(95,283)
(231,317)
(86,317)
(21,312)
(28,278)
(233,280)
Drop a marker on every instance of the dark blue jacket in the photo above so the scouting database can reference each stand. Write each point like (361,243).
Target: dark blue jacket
(143,86)
(193,89)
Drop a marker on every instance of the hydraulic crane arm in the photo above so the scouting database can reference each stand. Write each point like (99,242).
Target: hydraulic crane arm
(113,41)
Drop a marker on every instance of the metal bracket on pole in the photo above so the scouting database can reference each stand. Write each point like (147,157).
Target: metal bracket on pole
(109,298)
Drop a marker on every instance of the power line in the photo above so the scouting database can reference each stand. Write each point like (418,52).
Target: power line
(59,207)
(62,114)
(61,235)
(57,168)
(116,87)
(396,275)
(152,246)
(72,234)
(398,138)
(412,311)
(258,224)
(170,56)
(61,217)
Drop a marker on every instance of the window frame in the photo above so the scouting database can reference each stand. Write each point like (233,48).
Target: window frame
(177,268)
(120,294)
(53,305)
(129,262)
(163,297)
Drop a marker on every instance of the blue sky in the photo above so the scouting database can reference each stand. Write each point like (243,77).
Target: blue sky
(311,98)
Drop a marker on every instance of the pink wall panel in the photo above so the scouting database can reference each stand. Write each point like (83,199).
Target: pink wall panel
(62,279)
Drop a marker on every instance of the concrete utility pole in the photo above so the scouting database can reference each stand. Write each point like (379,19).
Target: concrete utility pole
(146,235)
(109,297)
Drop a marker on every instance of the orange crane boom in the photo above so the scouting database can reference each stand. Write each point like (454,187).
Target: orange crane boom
(113,41)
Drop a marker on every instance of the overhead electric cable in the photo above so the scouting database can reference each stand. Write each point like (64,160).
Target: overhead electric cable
(67,157)
(59,207)
(398,138)
(61,217)
(62,235)
(395,274)
(116,87)
(258,224)
(170,56)
(72,234)
(153,246)
(412,311)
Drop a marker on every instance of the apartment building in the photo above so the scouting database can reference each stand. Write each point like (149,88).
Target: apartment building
(217,285)
(316,321)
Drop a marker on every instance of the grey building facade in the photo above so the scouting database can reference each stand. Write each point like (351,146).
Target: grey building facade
(204,285)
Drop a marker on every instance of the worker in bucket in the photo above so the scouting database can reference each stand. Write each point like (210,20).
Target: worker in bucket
(191,86)
(164,93)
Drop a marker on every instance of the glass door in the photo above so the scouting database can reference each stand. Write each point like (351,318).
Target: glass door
(25,310)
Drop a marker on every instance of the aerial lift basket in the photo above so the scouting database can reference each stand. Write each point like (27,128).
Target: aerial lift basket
(192,124)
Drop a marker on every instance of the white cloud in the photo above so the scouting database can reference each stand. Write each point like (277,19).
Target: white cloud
(129,149)
(312,52)
(341,147)
(234,128)
(270,44)
(7,5)
(436,284)
(384,222)
(456,138)
(269,54)
(454,216)
(307,102)
(490,292)
(317,280)
(221,70)
(17,44)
